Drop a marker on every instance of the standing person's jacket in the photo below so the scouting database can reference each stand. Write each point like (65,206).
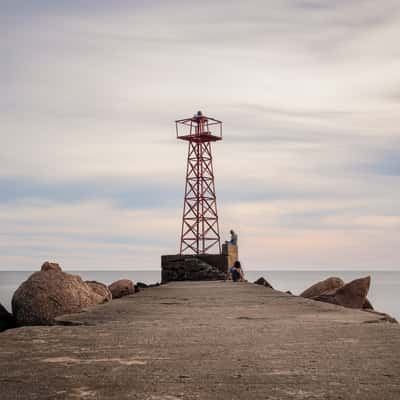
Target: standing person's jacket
(234,238)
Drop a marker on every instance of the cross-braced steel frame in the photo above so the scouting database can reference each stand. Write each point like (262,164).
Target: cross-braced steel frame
(200,227)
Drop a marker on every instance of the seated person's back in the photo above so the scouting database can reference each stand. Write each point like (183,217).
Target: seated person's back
(236,272)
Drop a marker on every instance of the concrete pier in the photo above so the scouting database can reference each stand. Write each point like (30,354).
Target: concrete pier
(205,340)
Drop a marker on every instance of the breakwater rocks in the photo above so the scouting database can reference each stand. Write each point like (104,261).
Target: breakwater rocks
(335,291)
(51,292)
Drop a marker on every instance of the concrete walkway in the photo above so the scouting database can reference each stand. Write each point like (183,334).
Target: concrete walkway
(210,340)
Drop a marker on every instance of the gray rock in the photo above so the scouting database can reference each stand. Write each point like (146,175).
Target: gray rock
(51,293)
(7,320)
(121,288)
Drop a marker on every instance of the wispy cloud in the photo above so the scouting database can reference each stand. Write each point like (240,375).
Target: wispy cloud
(123,192)
(387,162)
(90,170)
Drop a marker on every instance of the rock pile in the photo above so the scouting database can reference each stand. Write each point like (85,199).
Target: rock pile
(333,290)
(351,295)
(140,286)
(190,269)
(51,293)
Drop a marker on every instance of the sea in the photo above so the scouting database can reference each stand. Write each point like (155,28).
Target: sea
(384,293)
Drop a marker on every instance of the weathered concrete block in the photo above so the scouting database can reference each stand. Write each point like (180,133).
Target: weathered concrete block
(231,251)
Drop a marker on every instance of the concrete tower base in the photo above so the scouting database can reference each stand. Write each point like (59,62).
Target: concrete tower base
(197,267)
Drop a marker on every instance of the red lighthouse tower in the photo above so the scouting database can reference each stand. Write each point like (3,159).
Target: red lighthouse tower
(200,229)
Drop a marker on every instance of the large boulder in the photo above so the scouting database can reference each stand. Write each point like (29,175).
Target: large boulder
(50,293)
(123,287)
(351,295)
(101,289)
(190,269)
(328,285)
(263,282)
(7,320)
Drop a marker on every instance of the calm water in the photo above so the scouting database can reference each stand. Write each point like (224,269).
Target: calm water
(384,293)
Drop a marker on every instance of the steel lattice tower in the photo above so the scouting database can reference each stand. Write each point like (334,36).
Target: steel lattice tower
(200,228)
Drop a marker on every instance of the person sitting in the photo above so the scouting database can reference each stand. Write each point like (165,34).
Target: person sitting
(234,238)
(236,272)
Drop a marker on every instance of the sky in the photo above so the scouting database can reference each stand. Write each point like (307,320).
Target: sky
(308,172)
